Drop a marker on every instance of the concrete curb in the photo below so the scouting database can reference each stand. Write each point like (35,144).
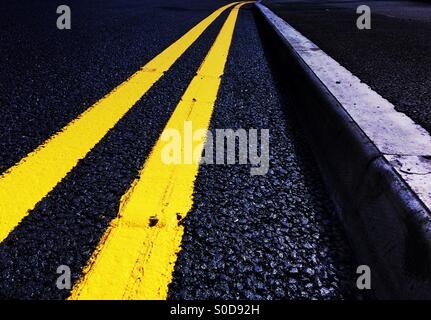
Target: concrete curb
(388,224)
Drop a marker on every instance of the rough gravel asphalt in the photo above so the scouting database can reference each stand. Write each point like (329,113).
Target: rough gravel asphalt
(262,237)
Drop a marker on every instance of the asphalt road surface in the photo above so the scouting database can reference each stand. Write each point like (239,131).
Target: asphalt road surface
(392,58)
(274,236)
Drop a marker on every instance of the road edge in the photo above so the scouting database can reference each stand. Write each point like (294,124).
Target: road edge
(396,242)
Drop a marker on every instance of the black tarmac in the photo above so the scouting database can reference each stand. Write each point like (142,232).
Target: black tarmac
(393,58)
(260,237)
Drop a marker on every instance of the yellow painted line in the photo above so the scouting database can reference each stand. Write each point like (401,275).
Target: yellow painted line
(32,178)
(133,259)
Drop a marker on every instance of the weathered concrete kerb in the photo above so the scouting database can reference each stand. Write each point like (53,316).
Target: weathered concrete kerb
(374,162)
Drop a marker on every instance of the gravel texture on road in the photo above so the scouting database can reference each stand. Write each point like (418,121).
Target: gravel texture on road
(274,236)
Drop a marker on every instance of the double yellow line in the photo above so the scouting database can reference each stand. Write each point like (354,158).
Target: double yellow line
(133,259)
